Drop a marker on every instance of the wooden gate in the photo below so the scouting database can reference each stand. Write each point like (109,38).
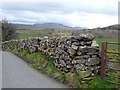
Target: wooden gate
(110,63)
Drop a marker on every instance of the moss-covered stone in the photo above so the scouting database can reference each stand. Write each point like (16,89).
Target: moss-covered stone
(71,79)
(84,74)
(88,78)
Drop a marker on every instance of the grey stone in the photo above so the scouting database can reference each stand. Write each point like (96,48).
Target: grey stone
(89,43)
(94,44)
(76,43)
(84,74)
(32,49)
(82,43)
(80,67)
(93,61)
(90,37)
(62,63)
(78,61)
(72,52)
(74,47)
(69,66)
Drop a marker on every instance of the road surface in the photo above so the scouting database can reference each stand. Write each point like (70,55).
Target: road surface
(17,74)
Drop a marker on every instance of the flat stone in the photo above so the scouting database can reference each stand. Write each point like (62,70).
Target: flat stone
(79,53)
(88,78)
(88,43)
(62,63)
(32,49)
(94,44)
(74,47)
(72,52)
(90,68)
(84,74)
(82,43)
(80,67)
(82,49)
(76,43)
(85,57)
(93,61)
(82,36)
(78,61)
(69,66)
(90,37)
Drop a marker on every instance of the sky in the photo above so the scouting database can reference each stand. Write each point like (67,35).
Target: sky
(75,13)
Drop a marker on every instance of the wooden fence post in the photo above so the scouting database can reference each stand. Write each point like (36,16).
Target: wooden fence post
(102,71)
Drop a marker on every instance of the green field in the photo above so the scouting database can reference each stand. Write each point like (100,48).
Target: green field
(100,40)
(24,34)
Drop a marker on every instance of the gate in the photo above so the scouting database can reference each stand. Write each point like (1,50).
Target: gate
(110,64)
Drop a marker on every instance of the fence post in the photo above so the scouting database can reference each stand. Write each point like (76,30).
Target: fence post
(102,71)
(106,46)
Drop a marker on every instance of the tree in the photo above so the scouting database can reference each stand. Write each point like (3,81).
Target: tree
(8,30)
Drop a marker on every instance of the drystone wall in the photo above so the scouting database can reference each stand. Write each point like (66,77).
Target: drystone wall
(71,54)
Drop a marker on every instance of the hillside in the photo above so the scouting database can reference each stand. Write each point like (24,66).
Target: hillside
(25,27)
(112,27)
(46,26)
(58,26)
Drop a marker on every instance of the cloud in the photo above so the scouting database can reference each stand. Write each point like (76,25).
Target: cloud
(65,6)
(32,6)
(87,13)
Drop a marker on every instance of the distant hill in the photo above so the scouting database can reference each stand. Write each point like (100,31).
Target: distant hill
(47,26)
(57,26)
(60,27)
(25,27)
(112,27)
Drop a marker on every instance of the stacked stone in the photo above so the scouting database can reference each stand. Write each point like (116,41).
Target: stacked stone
(44,45)
(78,54)
(5,45)
(71,54)
(32,45)
(10,44)
(21,44)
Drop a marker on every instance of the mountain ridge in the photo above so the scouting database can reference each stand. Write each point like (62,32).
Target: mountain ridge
(47,26)
(57,26)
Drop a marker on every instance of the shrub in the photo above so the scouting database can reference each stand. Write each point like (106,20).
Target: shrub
(8,30)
